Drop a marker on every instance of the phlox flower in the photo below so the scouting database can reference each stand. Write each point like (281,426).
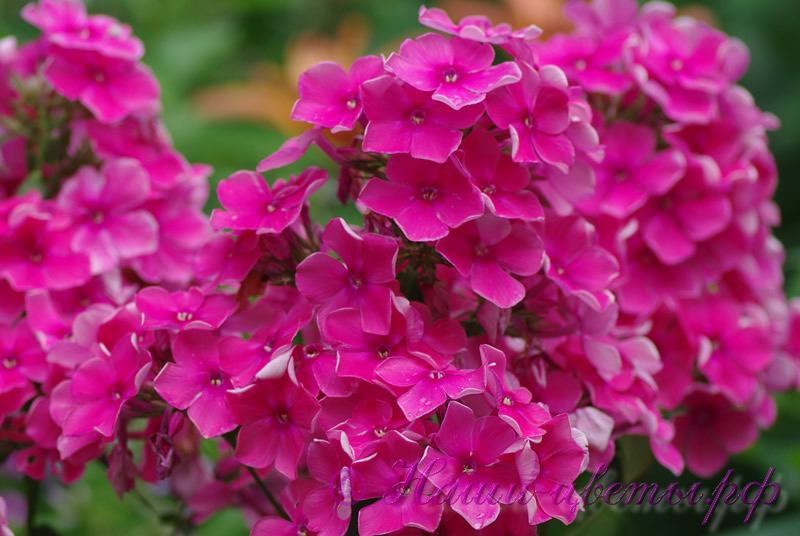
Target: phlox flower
(329,96)
(475,27)
(197,382)
(184,309)
(109,221)
(458,71)
(426,200)
(111,88)
(251,204)
(102,385)
(361,282)
(403,119)
(487,249)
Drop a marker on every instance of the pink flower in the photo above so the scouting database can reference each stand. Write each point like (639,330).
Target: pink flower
(329,507)
(361,282)
(329,96)
(292,500)
(386,476)
(110,223)
(685,65)
(487,249)
(405,120)
(184,310)
(111,88)
(536,112)
(632,170)
(711,430)
(513,403)
(252,205)
(102,385)
(197,382)
(502,183)
(575,262)
(693,211)
(360,352)
(22,359)
(476,28)
(65,23)
(558,460)
(429,387)
(426,200)
(35,252)
(458,71)
(276,415)
(465,460)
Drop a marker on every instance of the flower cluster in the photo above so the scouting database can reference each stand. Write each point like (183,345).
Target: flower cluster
(109,207)
(553,251)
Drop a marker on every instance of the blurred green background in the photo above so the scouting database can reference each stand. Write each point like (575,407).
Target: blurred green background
(227,69)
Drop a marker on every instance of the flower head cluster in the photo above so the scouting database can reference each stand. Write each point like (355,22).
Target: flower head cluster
(553,251)
(110,208)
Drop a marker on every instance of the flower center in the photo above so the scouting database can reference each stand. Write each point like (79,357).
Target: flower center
(418,117)
(489,189)
(183,317)
(9,362)
(267,348)
(676,64)
(216,382)
(99,77)
(527,122)
(450,75)
(311,351)
(380,432)
(383,352)
(98,217)
(283,417)
(352,103)
(356,281)
(117,395)
(428,193)
(580,65)
(436,375)
(36,258)
(507,401)
(84,34)
(481,250)
(620,176)
(467,469)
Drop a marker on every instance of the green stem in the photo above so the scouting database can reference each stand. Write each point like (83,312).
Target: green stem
(270,498)
(33,489)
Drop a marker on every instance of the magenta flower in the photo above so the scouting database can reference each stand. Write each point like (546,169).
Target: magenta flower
(691,212)
(386,476)
(536,112)
(197,382)
(556,462)
(360,352)
(426,200)
(102,385)
(110,223)
(487,249)
(65,23)
(22,359)
(513,403)
(276,416)
(252,205)
(329,96)
(35,253)
(372,419)
(292,500)
(711,430)
(458,71)
(502,183)
(575,262)
(184,310)
(405,120)
(111,88)
(329,507)
(476,28)
(466,457)
(632,170)
(361,282)
(429,387)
